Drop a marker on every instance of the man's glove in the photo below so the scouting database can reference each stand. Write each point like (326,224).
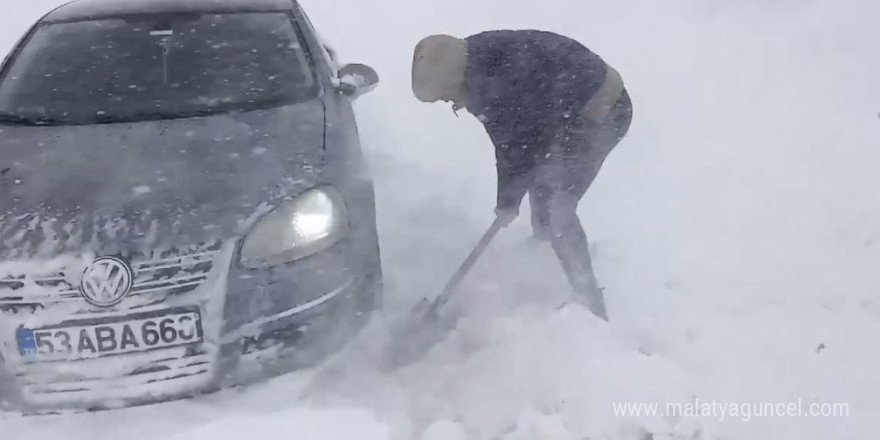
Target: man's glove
(506,215)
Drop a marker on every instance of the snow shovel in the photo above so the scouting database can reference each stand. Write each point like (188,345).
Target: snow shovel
(426,326)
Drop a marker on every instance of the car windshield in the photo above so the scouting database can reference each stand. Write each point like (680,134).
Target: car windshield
(152,67)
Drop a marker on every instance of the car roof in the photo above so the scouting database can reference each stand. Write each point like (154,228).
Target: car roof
(88,9)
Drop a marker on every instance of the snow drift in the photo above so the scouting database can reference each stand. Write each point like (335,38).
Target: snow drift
(736,233)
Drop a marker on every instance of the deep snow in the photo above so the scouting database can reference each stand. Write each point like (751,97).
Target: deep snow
(735,229)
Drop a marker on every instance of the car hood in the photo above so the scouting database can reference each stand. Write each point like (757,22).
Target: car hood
(119,187)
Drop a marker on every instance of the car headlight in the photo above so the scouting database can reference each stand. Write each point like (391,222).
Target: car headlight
(313,222)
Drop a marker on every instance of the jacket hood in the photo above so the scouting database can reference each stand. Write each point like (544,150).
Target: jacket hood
(438,72)
(130,186)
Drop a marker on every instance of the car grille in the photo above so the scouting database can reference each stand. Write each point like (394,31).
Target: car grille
(155,281)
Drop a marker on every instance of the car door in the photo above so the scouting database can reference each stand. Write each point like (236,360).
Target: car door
(341,124)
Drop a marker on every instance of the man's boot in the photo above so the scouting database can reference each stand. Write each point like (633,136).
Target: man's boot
(587,292)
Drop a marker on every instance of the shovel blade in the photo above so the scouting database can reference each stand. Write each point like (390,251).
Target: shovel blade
(418,335)
(420,309)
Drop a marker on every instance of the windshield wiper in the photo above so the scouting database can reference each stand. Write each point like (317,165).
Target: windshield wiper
(154,116)
(10,118)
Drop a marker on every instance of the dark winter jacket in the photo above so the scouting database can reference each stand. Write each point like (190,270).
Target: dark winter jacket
(525,86)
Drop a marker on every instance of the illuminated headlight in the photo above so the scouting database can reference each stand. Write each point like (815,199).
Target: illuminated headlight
(311,223)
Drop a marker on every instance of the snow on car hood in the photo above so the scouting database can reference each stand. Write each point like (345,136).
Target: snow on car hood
(132,185)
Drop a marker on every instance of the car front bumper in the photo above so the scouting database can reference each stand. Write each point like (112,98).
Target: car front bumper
(255,323)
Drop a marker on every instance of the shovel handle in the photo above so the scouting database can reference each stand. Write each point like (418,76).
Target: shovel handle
(466,266)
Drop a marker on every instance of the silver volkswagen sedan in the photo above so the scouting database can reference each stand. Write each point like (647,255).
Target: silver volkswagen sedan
(184,203)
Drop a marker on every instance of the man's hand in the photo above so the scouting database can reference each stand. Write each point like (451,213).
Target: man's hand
(506,215)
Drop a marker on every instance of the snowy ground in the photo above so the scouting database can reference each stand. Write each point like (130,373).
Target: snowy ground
(736,227)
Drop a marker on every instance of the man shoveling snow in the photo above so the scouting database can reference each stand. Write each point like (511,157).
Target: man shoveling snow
(553,109)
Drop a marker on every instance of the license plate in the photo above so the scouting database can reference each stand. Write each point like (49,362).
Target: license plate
(131,334)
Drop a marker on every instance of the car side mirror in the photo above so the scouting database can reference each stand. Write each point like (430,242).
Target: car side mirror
(357,79)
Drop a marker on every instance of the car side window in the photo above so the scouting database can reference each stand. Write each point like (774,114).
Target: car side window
(331,56)
(331,53)
(327,52)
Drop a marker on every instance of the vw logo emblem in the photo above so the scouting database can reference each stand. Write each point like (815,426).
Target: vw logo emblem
(106,282)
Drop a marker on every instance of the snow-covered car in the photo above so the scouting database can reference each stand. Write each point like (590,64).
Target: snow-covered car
(184,202)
